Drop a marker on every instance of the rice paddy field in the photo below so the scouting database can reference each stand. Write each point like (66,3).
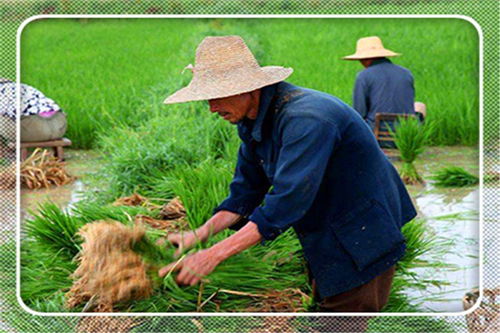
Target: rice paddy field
(108,73)
(111,76)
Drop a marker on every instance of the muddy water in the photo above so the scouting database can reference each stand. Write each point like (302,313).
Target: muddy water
(452,214)
(80,164)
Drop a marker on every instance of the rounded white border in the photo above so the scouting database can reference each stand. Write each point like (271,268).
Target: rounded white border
(245,314)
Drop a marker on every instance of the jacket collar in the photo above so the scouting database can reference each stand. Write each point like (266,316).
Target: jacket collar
(267,95)
(380,61)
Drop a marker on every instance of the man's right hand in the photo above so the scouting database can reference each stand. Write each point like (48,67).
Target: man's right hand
(183,241)
(188,239)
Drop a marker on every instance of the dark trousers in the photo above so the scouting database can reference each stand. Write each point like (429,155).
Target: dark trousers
(369,297)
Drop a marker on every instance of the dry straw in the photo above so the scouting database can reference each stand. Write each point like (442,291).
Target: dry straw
(42,170)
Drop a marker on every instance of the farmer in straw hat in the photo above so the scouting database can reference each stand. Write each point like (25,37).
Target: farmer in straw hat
(317,167)
(382,86)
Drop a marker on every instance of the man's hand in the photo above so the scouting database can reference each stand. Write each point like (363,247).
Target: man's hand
(192,268)
(187,240)
(183,241)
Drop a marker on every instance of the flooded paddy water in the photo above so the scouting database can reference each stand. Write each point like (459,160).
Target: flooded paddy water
(452,215)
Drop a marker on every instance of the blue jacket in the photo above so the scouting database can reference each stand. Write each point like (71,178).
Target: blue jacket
(310,162)
(383,87)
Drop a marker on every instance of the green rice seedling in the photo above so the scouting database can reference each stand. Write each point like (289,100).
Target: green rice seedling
(200,187)
(410,138)
(454,176)
(54,229)
(256,271)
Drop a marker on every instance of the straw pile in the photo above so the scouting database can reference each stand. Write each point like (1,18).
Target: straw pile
(110,272)
(42,170)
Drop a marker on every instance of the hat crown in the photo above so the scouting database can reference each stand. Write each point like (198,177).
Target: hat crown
(225,66)
(369,43)
(223,53)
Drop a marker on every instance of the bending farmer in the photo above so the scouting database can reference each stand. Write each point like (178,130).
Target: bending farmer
(329,179)
(382,87)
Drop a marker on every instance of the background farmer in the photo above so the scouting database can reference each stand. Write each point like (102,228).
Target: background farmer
(330,181)
(382,87)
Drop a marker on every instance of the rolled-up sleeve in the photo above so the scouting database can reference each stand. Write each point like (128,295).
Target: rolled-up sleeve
(248,187)
(307,145)
(360,100)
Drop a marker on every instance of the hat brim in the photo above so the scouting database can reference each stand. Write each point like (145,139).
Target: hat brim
(272,74)
(371,54)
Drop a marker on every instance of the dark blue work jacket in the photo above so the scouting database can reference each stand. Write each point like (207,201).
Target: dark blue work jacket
(383,87)
(329,180)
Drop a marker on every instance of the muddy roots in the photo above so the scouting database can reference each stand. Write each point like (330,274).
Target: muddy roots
(42,170)
(167,225)
(173,210)
(135,200)
(109,272)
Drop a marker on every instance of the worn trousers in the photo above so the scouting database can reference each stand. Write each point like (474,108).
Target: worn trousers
(369,297)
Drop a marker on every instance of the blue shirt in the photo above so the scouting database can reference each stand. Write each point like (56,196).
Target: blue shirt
(310,162)
(383,87)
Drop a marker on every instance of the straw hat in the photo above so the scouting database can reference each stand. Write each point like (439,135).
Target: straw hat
(370,47)
(225,66)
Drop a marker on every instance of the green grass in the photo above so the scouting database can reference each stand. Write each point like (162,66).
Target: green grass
(112,73)
(454,176)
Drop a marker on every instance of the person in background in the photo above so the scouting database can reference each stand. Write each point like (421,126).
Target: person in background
(382,87)
(41,118)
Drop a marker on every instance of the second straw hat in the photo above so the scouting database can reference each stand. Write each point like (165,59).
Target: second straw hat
(370,47)
(225,66)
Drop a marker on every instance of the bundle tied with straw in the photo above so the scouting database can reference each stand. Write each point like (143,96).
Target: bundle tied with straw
(410,138)
(110,271)
(42,170)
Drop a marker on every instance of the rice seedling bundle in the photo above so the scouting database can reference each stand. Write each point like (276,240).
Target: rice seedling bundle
(410,138)
(109,271)
(41,170)
(454,176)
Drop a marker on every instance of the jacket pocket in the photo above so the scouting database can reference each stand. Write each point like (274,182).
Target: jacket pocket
(367,233)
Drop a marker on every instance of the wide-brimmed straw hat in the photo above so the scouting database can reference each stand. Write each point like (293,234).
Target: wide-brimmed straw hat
(225,66)
(370,47)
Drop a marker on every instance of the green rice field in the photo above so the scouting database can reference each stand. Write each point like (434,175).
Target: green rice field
(110,73)
(111,76)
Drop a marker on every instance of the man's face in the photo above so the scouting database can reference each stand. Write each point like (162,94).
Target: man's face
(366,62)
(234,108)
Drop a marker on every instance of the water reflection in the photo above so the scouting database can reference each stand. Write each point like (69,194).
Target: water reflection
(452,215)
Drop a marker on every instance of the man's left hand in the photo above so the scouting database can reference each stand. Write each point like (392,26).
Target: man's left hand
(192,268)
